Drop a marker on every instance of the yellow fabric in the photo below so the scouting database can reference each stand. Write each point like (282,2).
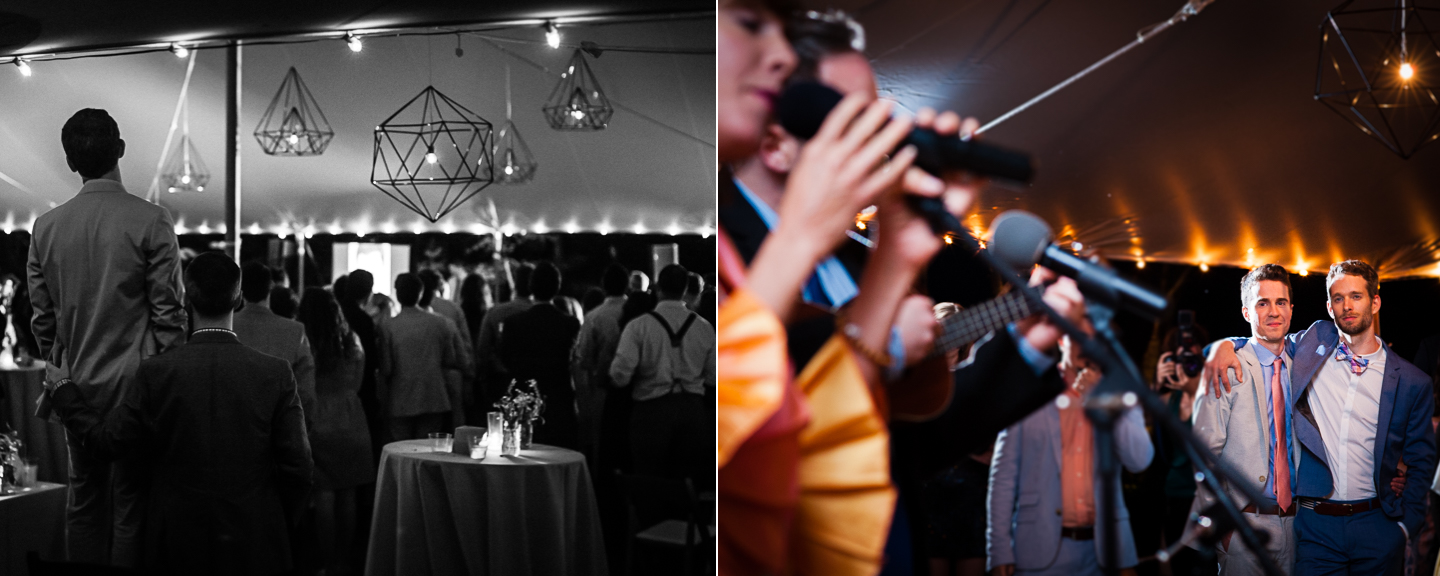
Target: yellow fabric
(846,499)
(753,369)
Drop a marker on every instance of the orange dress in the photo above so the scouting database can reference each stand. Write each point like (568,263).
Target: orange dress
(804,485)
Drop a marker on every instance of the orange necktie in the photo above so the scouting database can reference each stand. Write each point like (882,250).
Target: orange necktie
(1281,456)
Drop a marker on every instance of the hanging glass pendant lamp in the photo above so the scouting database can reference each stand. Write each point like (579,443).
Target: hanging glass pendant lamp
(183,170)
(514,164)
(578,102)
(293,125)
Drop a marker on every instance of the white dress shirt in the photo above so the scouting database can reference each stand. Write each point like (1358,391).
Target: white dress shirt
(646,360)
(1347,408)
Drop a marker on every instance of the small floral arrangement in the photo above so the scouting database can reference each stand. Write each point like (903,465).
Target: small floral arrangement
(522,403)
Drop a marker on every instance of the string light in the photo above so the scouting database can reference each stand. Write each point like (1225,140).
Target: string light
(24,67)
(552,35)
(1204,267)
(1407,71)
(353,42)
(949,239)
(179,50)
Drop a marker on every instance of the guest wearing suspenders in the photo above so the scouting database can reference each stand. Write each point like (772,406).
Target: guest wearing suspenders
(667,358)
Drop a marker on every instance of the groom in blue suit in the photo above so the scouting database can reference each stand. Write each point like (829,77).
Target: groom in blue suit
(1359,411)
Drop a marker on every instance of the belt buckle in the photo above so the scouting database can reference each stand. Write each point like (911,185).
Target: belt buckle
(1349,508)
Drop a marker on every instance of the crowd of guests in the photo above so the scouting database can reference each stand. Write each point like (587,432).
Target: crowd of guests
(219,423)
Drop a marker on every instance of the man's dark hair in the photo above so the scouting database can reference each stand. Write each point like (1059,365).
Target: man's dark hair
(1354,268)
(544,282)
(278,276)
(522,281)
(614,280)
(672,280)
(407,289)
(431,279)
(359,285)
(92,142)
(694,284)
(211,282)
(816,35)
(256,281)
(1251,281)
(283,302)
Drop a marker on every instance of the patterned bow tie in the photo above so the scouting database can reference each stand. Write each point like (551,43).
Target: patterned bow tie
(1357,365)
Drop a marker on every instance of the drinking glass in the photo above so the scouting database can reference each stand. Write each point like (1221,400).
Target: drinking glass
(441,441)
(478,444)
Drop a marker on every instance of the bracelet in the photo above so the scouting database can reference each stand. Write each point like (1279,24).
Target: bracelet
(851,333)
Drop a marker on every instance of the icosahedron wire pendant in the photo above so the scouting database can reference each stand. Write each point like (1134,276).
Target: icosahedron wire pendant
(432,155)
(514,164)
(578,102)
(184,172)
(293,125)
(1379,69)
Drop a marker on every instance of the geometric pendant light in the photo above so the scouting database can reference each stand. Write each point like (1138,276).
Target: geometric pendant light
(183,171)
(578,102)
(1379,69)
(514,164)
(293,125)
(432,155)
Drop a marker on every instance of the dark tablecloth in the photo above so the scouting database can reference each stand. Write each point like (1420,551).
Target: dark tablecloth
(44,441)
(442,513)
(32,520)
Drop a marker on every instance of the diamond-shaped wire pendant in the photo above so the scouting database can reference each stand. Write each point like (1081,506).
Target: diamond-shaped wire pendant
(183,171)
(293,125)
(514,164)
(1379,69)
(578,102)
(432,155)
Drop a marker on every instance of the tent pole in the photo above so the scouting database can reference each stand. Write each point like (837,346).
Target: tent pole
(232,149)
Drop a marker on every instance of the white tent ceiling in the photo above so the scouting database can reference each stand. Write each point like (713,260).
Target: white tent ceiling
(652,169)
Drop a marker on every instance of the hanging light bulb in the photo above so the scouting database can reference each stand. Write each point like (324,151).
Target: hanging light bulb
(1407,71)
(430,156)
(552,35)
(293,138)
(578,114)
(179,50)
(353,42)
(185,179)
(24,67)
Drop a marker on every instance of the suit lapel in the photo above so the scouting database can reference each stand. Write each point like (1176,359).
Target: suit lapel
(1256,377)
(1387,408)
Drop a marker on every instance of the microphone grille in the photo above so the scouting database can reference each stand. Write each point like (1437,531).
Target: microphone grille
(1019,238)
(802,108)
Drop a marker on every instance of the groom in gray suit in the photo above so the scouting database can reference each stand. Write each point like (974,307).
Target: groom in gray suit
(1043,518)
(1249,427)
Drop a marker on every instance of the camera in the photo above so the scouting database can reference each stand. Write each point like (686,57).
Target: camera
(1189,337)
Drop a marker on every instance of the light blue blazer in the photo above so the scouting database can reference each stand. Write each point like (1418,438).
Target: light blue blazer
(1024,503)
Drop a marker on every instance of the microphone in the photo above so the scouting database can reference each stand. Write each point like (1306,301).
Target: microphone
(1022,239)
(802,108)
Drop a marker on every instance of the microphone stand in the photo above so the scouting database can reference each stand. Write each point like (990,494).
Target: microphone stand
(1119,390)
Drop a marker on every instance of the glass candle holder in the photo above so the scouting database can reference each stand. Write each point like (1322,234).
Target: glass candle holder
(478,446)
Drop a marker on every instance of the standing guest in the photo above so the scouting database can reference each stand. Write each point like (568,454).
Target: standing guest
(639,282)
(594,351)
(1250,428)
(263,330)
(474,302)
(459,382)
(340,441)
(592,299)
(570,306)
(221,425)
(1364,411)
(1046,462)
(93,322)
(283,302)
(358,285)
(416,348)
(667,359)
(536,346)
(694,288)
(494,379)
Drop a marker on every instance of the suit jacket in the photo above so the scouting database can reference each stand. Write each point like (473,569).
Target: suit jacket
(221,427)
(104,278)
(416,348)
(536,344)
(1403,429)
(283,338)
(1024,504)
(1236,429)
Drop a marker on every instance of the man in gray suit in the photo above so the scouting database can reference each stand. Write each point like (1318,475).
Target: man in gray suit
(461,383)
(494,376)
(416,348)
(1249,427)
(263,330)
(104,275)
(1044,487)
